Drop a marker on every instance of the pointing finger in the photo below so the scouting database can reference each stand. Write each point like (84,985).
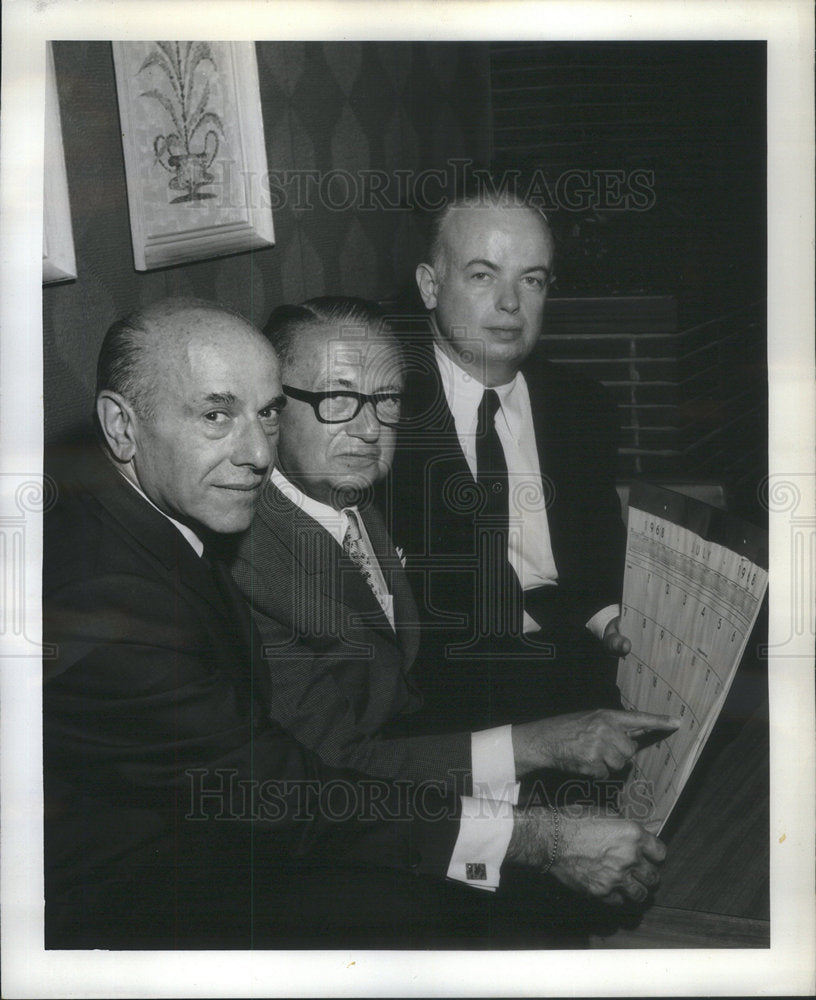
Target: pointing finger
(637,723)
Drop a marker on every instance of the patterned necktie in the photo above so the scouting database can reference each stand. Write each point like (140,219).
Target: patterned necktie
(500,596)
(357,549)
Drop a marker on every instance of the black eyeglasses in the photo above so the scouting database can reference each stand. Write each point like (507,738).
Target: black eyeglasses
(338,406)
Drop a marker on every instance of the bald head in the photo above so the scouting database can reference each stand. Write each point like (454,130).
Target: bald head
(188,402)
(136,349)
(445,232)
(486,285)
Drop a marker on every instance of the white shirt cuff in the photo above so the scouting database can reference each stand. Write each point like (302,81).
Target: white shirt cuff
(484,835)
(493,766)
(598,622)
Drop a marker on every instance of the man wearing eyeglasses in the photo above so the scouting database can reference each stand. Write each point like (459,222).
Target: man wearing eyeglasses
(337,617)
(332,602)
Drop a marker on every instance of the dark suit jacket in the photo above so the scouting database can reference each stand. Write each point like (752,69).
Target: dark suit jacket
(430,512)
(169,819)
(339,674)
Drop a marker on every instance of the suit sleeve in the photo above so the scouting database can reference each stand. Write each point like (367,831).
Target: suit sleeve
(139,713)
(611,528)
(594,552)
(311,702)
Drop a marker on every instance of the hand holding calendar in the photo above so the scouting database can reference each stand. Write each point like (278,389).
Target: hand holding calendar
(694,583)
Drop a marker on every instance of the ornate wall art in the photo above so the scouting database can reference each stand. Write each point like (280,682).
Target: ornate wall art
(195,157)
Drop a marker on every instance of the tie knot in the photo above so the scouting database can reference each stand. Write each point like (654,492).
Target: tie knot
(353,528)
(488,408)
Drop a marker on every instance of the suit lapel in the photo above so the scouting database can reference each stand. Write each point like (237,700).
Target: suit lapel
(148,530)
(406,616)
(311,547)
(428,407)
(318,555)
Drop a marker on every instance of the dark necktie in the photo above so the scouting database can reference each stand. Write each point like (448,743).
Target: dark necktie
(234,605)
(500,597)
(491,466)
(237,630)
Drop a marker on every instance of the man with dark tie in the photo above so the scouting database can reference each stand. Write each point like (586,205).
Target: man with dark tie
(503,490)
(178,814)
(331,601)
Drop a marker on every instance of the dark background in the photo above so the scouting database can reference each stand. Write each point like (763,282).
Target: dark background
(663,299)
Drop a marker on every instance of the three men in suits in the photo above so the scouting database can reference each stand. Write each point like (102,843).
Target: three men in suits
(520,608)
(177,813)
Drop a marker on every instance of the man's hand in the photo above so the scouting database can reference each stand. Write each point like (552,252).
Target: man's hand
(614,641)
(608,859)
(587,743)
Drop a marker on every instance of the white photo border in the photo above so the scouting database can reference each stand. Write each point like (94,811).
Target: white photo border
(788,966)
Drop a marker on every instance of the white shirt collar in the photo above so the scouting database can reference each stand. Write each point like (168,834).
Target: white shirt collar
(188,533)
(333,521)
(464,391)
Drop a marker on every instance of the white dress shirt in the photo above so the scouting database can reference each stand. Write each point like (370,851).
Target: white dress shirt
(529,550)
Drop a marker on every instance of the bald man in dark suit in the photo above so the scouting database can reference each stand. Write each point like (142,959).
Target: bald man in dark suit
(517,565)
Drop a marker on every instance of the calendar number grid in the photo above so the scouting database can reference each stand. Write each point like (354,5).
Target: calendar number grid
(689,604)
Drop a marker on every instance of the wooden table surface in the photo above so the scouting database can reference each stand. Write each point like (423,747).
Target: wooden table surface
(714,889)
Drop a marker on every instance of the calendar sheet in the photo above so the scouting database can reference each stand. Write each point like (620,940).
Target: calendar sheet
(694,583)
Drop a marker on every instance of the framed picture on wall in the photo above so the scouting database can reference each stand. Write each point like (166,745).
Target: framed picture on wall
(193,142)
(58,259)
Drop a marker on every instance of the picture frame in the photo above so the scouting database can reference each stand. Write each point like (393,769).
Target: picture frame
(58,257)
(194,150)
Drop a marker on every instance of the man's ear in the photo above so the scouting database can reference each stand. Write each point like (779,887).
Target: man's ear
(426,283)
(118,423)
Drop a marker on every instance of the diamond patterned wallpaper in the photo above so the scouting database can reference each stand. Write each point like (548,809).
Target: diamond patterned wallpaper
(352,128)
